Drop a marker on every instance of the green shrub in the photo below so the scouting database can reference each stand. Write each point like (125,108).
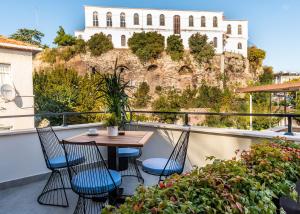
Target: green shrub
(49,55)
(63,39)
(256,56)
(99,44)
(80,46)
(67,53)
(175,47)
(200,48)
(249,185)
(147,46)
(141,96)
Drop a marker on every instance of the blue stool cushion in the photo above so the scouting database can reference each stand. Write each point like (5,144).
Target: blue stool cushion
(61,162)
(156,166)
(128,152)
(95,181)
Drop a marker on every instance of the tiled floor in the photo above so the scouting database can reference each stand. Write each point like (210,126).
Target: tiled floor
(22,199)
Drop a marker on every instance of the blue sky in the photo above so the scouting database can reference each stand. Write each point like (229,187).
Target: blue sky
(273,24)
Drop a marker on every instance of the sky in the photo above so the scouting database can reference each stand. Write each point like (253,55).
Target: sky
(273,24)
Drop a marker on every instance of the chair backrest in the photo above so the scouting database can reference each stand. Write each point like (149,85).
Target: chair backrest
(92,170)
(177,158)
(50,144)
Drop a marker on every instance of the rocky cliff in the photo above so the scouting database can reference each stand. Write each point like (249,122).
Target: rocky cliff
(229,69)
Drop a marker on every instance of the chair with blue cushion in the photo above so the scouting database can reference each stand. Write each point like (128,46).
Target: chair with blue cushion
(54,191)
(91,180)
(164,167)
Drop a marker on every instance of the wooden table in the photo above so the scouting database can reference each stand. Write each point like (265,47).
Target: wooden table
(130,139)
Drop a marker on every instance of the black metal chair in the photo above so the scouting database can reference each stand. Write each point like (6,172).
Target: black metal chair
(91,180)
(54,192)
(163,167)
(290,206)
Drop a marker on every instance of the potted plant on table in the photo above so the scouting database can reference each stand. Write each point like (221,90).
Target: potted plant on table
(112,125)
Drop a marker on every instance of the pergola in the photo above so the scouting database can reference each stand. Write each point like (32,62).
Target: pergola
(272,88)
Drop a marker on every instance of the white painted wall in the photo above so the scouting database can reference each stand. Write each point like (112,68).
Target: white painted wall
(21,73)
(116,31)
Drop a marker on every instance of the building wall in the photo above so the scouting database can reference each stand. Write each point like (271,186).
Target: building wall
(186,31)
(21,79)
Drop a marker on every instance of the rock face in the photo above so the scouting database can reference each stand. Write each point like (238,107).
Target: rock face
(231,70)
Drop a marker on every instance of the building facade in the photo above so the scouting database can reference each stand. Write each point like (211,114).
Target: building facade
(16,86)
(282,77)
(119,24)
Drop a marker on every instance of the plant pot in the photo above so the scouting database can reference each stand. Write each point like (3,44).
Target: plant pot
(112,131)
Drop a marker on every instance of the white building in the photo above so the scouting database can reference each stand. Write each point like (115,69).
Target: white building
(120,24)
(16,86)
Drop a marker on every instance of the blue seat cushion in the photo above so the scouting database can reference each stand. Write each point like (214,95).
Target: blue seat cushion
(156,166)
(61,162)
(128,152)
(96,181)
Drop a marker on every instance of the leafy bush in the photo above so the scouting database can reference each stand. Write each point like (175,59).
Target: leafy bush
(175,47)
(141,96)
(63,39)
(80,46)
(256,56)
(99,44)
(200,48)
(249,185)
(147,46)
(49,55)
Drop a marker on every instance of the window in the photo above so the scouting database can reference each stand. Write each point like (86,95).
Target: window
(240,46)
(4,73)
(95,19)
(162,20)
(136,19)
(123,40)
(240,30)
(228,29)
(215,42)
(215,21)
(191,21)
(109,19)
(109,36)
(203,21)
(149,19)
(176,23)
(122,20)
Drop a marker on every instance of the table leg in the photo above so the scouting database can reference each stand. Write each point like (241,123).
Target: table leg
(112,157)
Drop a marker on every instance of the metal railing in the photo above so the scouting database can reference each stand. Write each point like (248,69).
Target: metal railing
(186,115)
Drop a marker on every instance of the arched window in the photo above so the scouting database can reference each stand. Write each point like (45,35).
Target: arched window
(95,19)
(229,29)
(240,46)
(191,21)
(123,40)
(109,19)
(136,19)
(240,30)
(176,23)
(109,36)
(149,19)
(215,42)
(162,20)
(215,21)
(122,20)
(203,21)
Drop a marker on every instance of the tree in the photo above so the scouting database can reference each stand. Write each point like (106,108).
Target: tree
(99,44)
(141,96)
(147,46)
(63,39)
(256,56)
(267,76)
(33,37)
(200,48)
(175,47)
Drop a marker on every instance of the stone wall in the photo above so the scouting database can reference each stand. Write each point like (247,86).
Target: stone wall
(230,69)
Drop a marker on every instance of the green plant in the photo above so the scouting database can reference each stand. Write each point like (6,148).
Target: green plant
(99,44)
(141,96)
(33,37)
(112,121)
(147,46)
(49,55)
(249,185)
(175,47)
(63,39)
(200,48)
(256,56)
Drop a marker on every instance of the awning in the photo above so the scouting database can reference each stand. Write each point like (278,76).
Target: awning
(285,87)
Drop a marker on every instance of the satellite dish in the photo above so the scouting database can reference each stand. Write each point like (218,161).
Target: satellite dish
(8,92)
